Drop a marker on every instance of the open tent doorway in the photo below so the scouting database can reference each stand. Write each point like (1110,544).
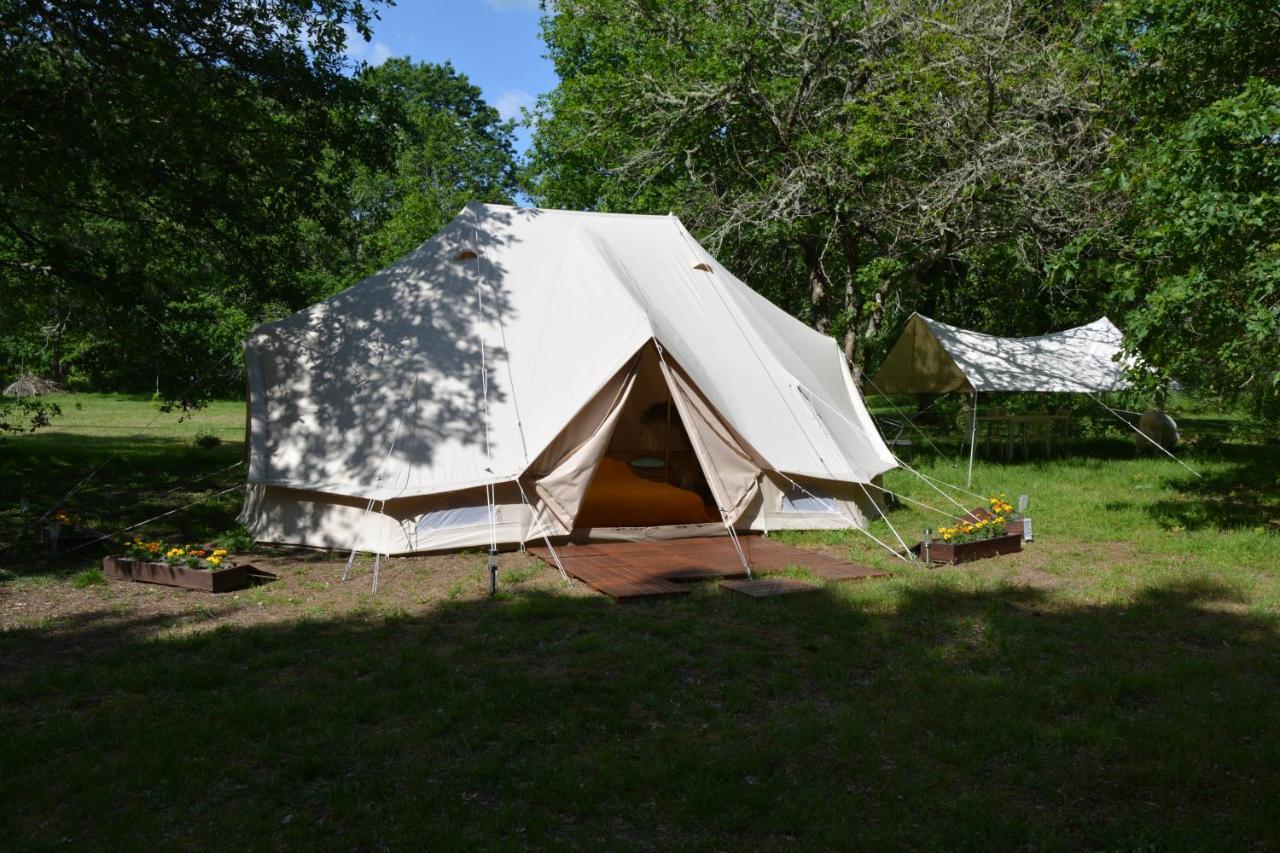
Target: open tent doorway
(649,475)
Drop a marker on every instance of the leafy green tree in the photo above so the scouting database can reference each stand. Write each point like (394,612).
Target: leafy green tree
(448,147)
(1201,264)
(1195,259)
(159,154)
(26,415)
(850,159)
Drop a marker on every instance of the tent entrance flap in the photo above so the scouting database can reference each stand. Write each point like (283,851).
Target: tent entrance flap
(562,473)
(650,475)
(732,472)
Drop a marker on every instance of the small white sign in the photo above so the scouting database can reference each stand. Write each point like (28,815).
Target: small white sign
(1026,528)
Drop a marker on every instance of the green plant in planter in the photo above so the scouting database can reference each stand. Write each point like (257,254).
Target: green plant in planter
(138,549)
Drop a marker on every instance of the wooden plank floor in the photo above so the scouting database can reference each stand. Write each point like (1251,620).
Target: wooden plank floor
(632,570)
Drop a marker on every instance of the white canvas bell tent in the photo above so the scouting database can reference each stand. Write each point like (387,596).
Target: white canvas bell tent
(536,372)
(931,357)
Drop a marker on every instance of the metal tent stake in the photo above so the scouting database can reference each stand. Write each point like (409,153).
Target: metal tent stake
(493,570)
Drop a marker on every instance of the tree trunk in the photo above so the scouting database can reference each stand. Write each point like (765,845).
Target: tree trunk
(818,285)
(56,352)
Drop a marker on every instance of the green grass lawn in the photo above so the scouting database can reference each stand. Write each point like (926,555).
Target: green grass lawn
(1116,685)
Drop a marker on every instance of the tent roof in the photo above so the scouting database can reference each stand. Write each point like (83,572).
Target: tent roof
(378,391)
(933,357)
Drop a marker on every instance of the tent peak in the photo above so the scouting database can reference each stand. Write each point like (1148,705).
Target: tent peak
(483,207)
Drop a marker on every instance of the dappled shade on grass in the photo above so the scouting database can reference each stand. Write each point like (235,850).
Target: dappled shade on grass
(951,718)
(1114,685)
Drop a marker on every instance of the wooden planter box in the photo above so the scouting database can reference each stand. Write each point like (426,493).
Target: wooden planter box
(223,580)
(963,552)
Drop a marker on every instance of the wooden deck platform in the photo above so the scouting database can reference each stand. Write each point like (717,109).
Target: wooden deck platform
(632,570)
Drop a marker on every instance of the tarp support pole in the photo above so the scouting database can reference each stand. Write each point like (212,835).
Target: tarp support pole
(973,438)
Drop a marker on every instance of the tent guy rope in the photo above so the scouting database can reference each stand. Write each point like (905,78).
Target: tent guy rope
(542,531)
(751,346)
(489,489)
(154,518)
(355,535)
(62,501)
(1155,443)
(809,394)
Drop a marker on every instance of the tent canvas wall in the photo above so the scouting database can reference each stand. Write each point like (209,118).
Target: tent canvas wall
(931,357)
(515,351)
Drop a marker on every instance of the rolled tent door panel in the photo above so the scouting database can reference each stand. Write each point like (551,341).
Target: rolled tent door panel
(570,462)
(732,473)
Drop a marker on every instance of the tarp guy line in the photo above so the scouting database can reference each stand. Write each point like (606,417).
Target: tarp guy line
(1147,437)
(895,456)
(884,515)
(909,421)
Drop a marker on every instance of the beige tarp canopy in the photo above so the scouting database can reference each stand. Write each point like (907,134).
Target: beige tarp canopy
(515,351)
(931,357)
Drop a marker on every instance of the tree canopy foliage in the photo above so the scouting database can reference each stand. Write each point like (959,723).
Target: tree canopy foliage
(447,146)
(1195,262)
(177,171)
(853,158)
(157,154)
(1010,165)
